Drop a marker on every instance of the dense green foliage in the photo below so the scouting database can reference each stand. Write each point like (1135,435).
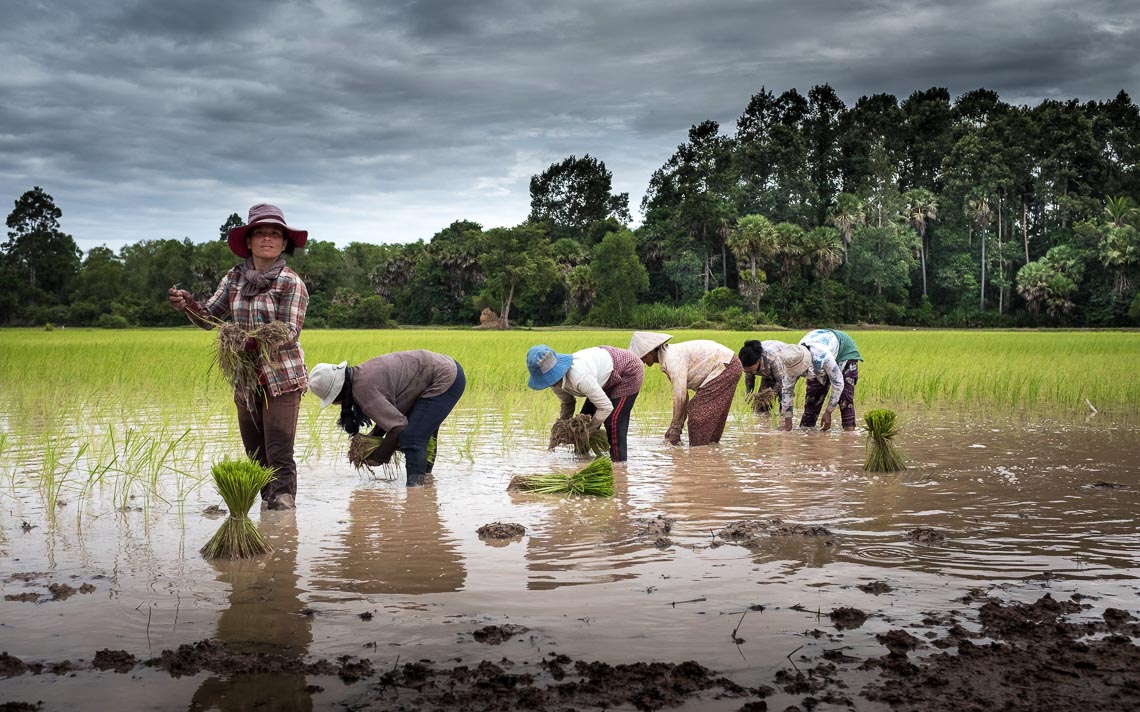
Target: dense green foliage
(927,212)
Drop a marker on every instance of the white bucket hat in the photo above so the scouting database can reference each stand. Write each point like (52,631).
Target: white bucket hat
(326,380)
(642,342)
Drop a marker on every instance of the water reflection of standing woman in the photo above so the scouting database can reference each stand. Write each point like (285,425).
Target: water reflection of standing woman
(260,290)
(266,617)
(407,394)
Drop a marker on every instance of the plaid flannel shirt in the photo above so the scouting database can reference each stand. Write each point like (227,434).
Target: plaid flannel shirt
(286,301)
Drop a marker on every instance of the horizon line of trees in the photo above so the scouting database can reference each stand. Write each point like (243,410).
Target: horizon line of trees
(926,212)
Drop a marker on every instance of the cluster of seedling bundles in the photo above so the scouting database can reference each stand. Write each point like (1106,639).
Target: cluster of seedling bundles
(595,479)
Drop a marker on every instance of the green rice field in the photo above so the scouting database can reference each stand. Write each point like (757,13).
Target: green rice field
(142,412)
(1056,369)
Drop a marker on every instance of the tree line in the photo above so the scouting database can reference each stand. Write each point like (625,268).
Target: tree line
(925,212)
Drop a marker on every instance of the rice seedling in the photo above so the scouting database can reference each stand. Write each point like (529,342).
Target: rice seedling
(54,472)
(238,482)
(882,453)
(238,365)
(361,447)
(577,433)
(596,479)
(762,400)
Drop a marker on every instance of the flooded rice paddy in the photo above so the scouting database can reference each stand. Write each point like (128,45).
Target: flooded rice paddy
(1015,505)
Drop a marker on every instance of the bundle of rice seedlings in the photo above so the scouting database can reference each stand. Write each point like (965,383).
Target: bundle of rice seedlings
(576,432)
(595,479)
(238,366)
(239,482)
(361,446)
(762,400)
(882,455)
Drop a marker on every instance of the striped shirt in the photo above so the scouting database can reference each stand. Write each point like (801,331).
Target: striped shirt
(286,301)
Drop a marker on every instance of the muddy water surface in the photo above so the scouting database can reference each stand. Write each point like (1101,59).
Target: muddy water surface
(370,569)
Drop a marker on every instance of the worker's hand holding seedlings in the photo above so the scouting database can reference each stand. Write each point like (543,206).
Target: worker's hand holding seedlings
(406,395)
(608,378)
(708,369)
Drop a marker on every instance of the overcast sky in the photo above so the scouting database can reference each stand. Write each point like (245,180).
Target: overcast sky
(386,121)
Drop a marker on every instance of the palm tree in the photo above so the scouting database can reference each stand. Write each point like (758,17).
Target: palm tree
(921,206)
(1120,250)
(753,241)
(848,213)
(1033,286)
(1120,211)
(823,252)
(978,214)
(790,239)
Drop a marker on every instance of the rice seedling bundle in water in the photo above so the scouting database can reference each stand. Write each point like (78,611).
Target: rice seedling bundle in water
(239,482)
(596,479)
(360,447)
(882,453)
(576,432)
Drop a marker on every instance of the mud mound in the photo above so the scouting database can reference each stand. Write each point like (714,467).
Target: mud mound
(500,530)
(926,535)
(495,634)
(750,533)
(655,526)
(847,618)
(875,588)
(118,660)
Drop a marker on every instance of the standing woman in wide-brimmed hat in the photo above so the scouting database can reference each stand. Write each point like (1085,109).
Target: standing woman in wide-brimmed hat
(709,369)
(608,378)
(256,292)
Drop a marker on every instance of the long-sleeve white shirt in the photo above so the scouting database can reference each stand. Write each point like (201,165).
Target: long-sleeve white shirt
(589,371)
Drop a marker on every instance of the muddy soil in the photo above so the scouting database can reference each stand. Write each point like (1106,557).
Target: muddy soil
(501,530)
(1021,657)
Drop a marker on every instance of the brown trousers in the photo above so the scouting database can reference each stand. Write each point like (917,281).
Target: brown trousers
(268,432)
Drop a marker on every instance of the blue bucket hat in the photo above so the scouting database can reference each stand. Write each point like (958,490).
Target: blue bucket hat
(546,367)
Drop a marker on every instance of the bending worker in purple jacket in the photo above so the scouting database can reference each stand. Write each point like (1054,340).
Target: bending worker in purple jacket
(407,394)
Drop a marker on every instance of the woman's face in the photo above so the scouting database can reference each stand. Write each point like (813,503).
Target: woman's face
(266,242)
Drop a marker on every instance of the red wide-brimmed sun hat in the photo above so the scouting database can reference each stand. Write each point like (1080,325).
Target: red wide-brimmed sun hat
(264,214)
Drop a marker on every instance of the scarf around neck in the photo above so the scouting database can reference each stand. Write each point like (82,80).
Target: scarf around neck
(352,418)
(257,282)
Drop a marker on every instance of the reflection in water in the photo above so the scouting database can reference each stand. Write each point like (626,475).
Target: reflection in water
(714,487)
(395,542)
(265,615)
(569,536)
(1021,504)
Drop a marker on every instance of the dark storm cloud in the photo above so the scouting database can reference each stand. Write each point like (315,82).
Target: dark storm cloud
(386,121)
